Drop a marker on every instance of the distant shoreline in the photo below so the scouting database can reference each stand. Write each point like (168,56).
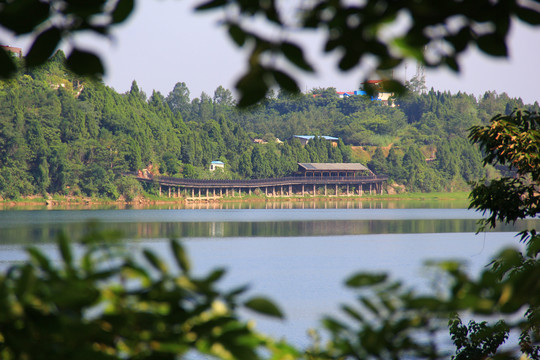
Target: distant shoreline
(142,202)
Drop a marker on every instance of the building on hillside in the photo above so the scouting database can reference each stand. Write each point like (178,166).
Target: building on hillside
(344,94)
(15,50)
(333,170)
(304,139)
(381,95)
(377,86)
(214,165)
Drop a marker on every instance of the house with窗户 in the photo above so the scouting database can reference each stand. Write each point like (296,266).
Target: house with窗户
(214,165)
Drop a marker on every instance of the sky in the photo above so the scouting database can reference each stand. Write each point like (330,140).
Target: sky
(165,42)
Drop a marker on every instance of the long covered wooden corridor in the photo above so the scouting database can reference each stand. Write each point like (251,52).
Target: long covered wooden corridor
(316,180)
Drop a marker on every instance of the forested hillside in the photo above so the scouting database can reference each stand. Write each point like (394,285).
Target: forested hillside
(61,134)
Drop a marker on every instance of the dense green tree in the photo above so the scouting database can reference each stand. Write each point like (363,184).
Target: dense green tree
(378,163)
(179,100)
(262,168)
(447,160)
(245,166)
(92,124)
(223,97)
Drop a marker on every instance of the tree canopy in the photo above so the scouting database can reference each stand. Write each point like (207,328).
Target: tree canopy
(65,134)
(432,33)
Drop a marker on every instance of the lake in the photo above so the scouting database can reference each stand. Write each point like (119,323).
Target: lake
(297,253)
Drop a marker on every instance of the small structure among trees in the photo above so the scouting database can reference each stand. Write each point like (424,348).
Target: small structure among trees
(214,165)
(304,139)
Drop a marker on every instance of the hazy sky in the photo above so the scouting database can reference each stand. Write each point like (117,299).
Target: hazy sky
(165,42)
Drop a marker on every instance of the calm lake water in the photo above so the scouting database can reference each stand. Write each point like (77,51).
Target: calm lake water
(296,253)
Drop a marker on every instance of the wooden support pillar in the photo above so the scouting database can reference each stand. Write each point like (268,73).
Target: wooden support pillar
(290,190)
(160,190)
(206,192)
(249,191)
(266,191)
(370,189)
(302,189)
(348,190)
(192,193)
(336,190)
(169,191)
(227,192)
(314,190)
(360,189)
(213,192)
(325,189)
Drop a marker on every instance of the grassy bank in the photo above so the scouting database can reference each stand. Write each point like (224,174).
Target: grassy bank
(148,200)
(459,195)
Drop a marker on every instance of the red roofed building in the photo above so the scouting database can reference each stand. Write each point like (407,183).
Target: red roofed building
(12,49)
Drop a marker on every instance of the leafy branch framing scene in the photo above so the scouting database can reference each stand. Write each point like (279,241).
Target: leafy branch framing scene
(99,301)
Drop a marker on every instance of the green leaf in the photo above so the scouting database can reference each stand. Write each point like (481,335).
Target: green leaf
(394,86)
(180,256)
(44,46)
(333,325)
(155,261)
(460,40)
(105,274)
(362,279)
(84,9)
(215,275)
(212,4)
(252,86)
(122,11)
(353,313)
(25,282)
(426,303)
(235,292)
(349,60)
(38,257)
(23,16)
(7,67)
(238,34)
(295,55)
(285,81)
(492,44)
(264,306)
(389,63)
(370,306)
(530,16)
(65,250)
(452,63)
(85,63)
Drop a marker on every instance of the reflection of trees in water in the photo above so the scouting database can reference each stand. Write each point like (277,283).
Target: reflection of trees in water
(43,233)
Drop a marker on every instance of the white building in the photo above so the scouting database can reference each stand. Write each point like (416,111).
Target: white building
(217,165)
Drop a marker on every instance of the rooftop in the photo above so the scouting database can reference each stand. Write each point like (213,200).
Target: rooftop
(333,166)
(309,137)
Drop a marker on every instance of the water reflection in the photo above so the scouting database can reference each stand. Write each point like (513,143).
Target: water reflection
(249,219)
(43,233)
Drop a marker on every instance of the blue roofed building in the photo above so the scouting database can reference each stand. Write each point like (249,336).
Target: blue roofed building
(214,165)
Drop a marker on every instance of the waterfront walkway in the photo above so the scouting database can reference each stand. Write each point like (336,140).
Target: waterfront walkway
(276,187)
